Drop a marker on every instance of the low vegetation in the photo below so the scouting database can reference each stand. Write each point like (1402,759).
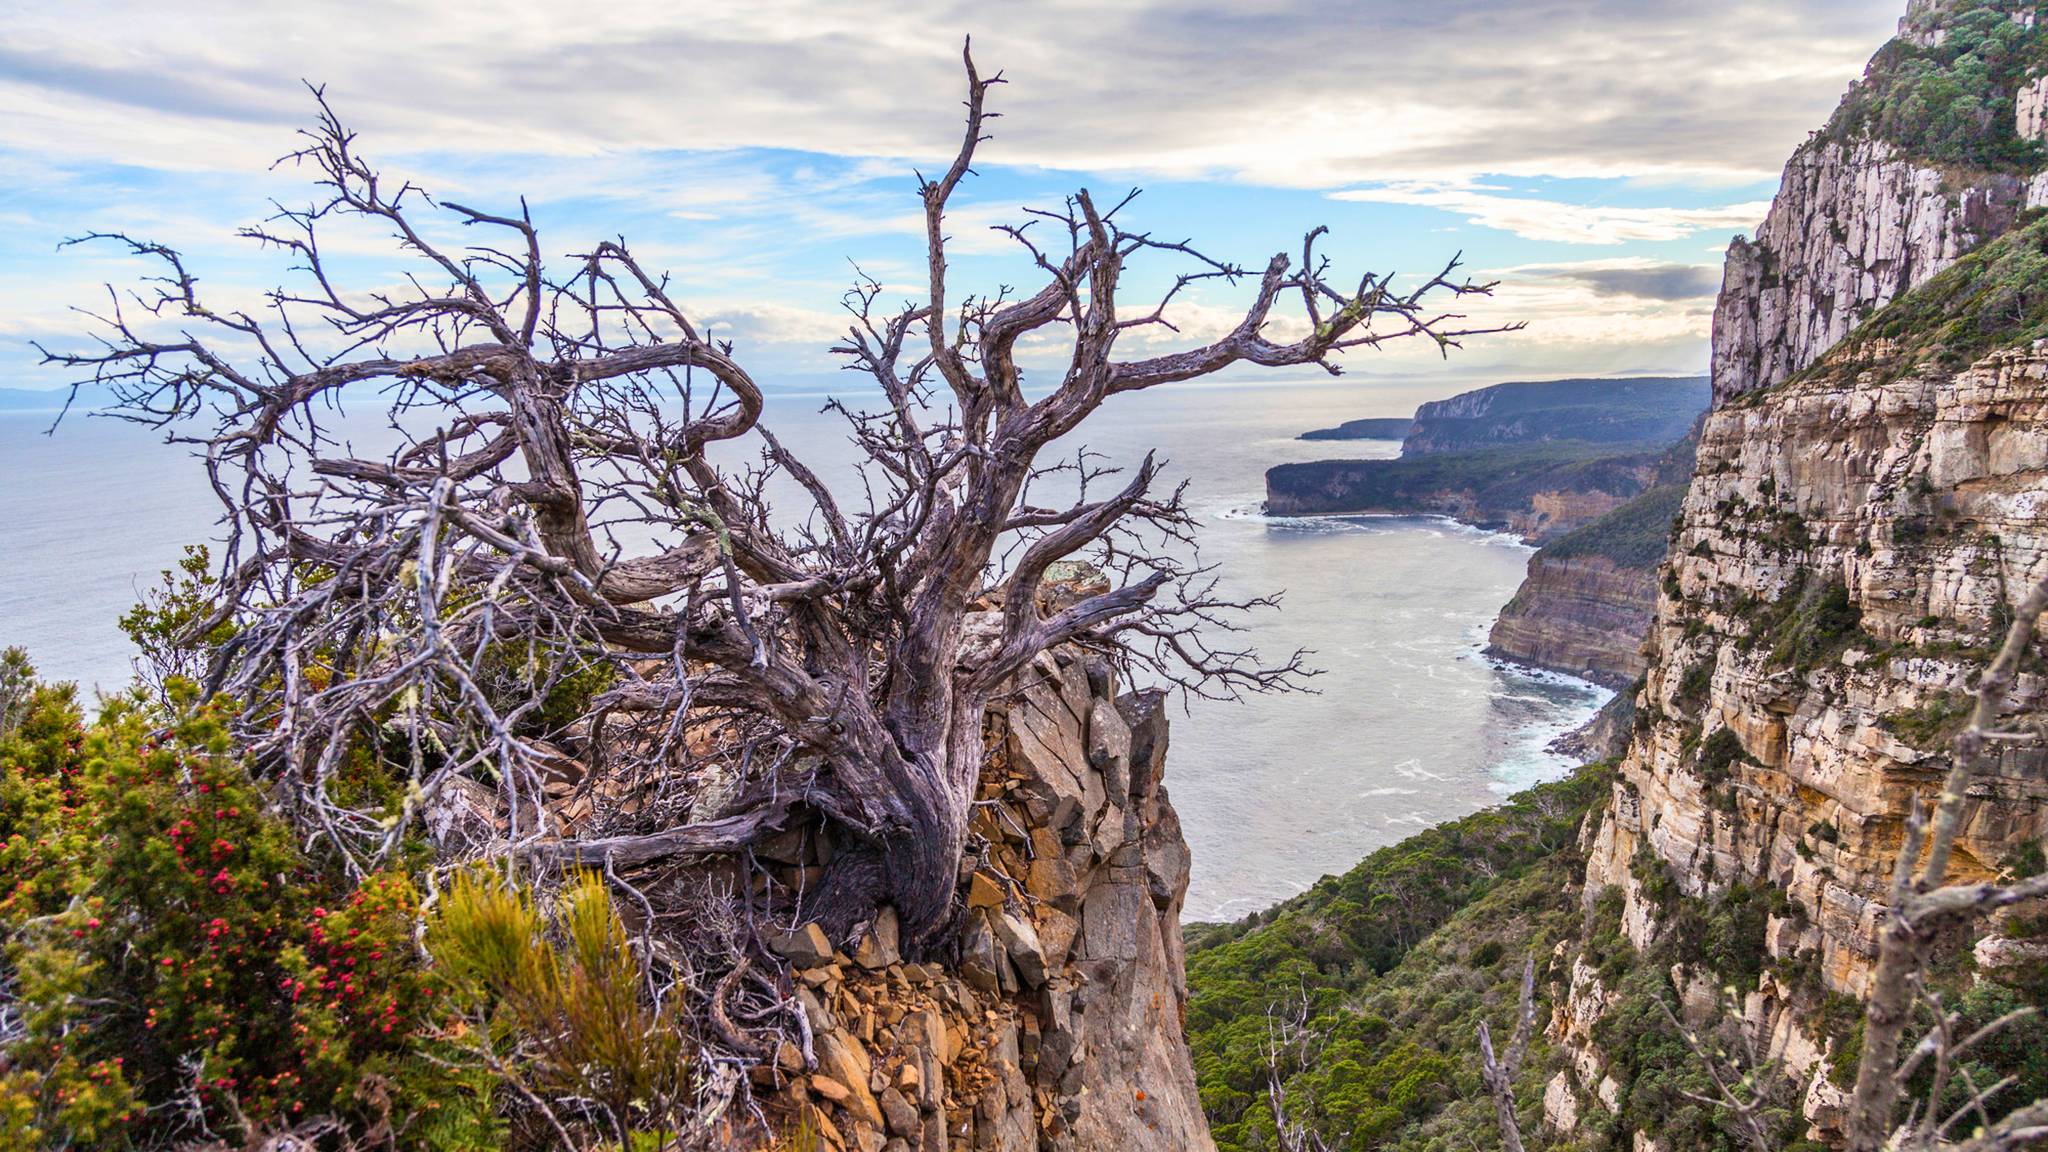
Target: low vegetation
(180,968)
(1952,102)
(175,968)
(1387,969)
(1635,535)
(1996,297)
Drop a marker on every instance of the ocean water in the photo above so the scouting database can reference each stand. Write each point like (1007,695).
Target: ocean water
(1408,724)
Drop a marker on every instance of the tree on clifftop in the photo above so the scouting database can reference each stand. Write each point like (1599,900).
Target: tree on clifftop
(547,566)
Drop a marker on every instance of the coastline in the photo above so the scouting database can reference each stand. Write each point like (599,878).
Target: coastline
(1525,758)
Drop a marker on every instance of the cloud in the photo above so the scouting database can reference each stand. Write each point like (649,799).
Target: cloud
(750,147)
(1640,278)
(1283,92)
(1560,222)
(751,322)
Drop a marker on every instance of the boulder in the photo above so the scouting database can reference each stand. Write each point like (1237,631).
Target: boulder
(804,947)
(878,945)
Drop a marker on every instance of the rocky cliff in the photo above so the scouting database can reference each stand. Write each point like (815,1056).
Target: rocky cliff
(1537,492)
(1059,1026)
(1369,428)
(1537,459)
(1583,616)
(1859,220)
(1847,557)
(1586,603)
(1867,501)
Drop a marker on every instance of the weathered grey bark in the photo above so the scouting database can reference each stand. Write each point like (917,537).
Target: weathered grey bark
(1499,1074)
(439,597)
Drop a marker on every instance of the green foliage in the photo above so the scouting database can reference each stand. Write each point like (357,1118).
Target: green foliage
(1661,1083)
(543,690)
(175,624)
(1718,755)
(1953,102)
(177,951)
(1810,626)
(1932,724)
(1995,297)
(1695,687)
(2018,1050)
(571,1001)
(1397,961)
(1635,535)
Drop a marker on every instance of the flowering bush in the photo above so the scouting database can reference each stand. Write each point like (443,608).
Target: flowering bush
(175,966)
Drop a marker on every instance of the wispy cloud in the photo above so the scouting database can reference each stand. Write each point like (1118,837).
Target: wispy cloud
(1630,277)
(1560,222)
(1287,92)
(753,149)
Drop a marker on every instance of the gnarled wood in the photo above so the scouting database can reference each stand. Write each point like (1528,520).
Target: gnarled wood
(451,604)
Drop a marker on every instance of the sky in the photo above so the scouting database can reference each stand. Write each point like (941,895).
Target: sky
(1594,156)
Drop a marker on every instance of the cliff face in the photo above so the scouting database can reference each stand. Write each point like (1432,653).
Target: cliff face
(1586,603)
(1855,225)
(1857,222)
(1060,1024)
(1862,516)
(1581,615)
(1370,428)
(1537,459)
(1835,670)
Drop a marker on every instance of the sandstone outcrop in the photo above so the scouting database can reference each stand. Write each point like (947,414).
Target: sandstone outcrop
(1586,602)
(1059,1024)
(1581,615)
(1854,226)
(1858,525)
(1925,504)
(1924,501)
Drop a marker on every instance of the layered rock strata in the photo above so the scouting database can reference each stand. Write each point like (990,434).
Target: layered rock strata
(1913,507)
(1059,1026)
(1854,226)
(1581,615)
(1861,520)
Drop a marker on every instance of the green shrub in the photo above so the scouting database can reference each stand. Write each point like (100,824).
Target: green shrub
(1933,724)
(1951,102)
(1398,960)
(178,953)
(571,1002)
(1718,756)
(1635,535)
(1811,626)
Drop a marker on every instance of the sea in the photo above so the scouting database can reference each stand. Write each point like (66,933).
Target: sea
(1407,725)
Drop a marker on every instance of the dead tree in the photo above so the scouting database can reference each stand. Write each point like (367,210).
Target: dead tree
(1749,1084)
(1499,1073)
(1291,1043)
(547,565)
(1921,909)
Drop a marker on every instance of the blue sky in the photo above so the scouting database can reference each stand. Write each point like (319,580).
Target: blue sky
(1593,155)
